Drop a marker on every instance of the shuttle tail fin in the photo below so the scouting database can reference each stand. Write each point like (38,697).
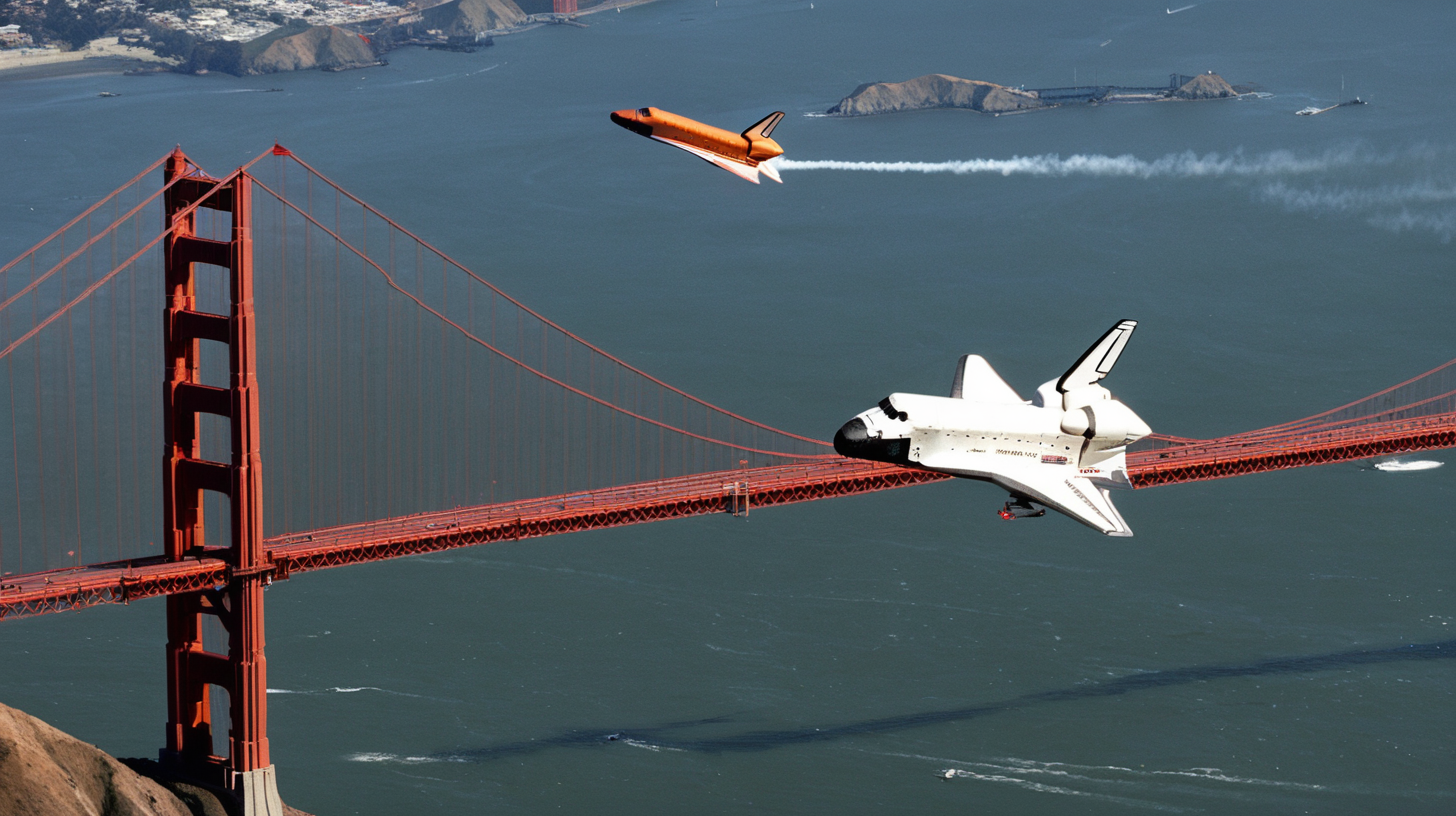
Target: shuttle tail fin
(763,127)
(1097,361)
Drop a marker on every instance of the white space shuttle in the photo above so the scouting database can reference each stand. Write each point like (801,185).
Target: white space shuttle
(1063,449)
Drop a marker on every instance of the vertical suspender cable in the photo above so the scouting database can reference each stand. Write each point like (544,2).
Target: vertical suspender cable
(541,404)
(419,418)
(286,328)
(136,476)
(40,457)
(566,427)
(72,432)
(469,395)
(14,436)
(367,446)
(389,390)
(490,468)
(310,402)
(15,458)
(339,401)
(440,395)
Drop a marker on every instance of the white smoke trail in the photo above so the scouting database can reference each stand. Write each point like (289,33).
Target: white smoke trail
(1442,224)
(1387,207)
(1346,199)
(1174,165)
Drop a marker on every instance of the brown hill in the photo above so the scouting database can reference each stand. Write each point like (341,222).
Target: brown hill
(935,91)
(315,47)
(43,770)
(46,771)
(1205,86)
(466,18)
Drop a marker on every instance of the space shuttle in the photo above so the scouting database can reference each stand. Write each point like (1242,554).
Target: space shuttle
(1064,449)
(743,154)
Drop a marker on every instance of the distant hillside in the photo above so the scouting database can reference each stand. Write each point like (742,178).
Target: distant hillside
(935,91)
(466,18)
(292,49)
(1205,86)
(545,6)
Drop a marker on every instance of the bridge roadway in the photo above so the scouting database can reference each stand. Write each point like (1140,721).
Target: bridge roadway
(737,491)
(734,491)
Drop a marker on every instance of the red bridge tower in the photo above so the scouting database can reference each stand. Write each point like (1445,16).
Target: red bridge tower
(238,604)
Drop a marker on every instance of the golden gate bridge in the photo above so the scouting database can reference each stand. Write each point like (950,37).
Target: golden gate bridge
(413,407)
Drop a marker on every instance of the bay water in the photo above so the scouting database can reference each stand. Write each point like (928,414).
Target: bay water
(847,656)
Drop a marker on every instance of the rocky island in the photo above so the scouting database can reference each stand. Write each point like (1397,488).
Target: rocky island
(943,91)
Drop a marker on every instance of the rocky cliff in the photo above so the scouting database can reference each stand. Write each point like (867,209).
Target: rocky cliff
(935,91)
(45,771)
(314,47)
(466,18)
(1205,86)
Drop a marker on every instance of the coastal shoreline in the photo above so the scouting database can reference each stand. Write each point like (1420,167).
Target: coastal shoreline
(106,56)
(101,56)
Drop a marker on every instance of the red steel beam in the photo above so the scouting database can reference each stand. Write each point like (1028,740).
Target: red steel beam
(1236,456)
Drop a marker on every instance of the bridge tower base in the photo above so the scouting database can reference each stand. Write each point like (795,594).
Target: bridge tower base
(192,670)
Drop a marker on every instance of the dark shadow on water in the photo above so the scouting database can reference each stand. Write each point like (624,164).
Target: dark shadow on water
(670,735)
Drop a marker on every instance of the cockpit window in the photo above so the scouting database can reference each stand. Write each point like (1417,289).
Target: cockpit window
(889,409)
(648,112)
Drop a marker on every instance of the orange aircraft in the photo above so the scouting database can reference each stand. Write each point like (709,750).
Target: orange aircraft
(744,155)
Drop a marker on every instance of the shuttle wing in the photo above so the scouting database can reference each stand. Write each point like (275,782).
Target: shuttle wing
(1072,496)
(741,169)
(1096,362)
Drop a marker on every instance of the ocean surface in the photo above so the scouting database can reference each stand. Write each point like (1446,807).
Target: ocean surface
(904,652)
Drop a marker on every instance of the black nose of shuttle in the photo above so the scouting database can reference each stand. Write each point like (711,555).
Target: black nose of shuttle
(850,440)
(632,120)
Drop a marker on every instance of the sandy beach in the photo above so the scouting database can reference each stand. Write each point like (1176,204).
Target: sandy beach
(100,56)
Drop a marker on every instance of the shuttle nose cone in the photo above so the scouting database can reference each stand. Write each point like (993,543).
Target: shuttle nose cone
(850,440)
(632,120)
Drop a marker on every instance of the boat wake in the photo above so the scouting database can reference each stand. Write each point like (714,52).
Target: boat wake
(1406,465)
(349,690)
(1175,790)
